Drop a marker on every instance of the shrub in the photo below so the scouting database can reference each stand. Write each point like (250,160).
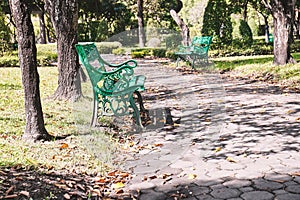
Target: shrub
(142,52)
(107,47)
(246,33)
(137,54)
(119,51)
(160,53)
(9,61)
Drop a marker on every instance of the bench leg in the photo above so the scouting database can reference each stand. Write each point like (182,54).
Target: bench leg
(95,113)
(178,60)
(140,100)
(136,112)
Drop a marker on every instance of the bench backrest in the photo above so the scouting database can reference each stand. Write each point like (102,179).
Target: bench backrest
(203,41)
(91,59)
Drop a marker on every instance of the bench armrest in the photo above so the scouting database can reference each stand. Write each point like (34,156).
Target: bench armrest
(131,63)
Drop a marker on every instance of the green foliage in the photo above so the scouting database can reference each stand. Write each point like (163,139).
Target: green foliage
(171,54)
(142,52)
(217,22)
(137,54)
(93,31)
(107,47)
(246,33)
(4,35)
(119,51)
(237,48)
(9,61)
(172,41)
(102,19)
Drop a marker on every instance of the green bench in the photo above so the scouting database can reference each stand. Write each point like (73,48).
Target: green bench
(197,51)
(113,91)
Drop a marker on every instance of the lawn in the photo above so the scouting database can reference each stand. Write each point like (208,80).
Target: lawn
(261,68)
(87,153)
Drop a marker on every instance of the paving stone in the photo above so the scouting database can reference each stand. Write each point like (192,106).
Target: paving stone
(217,186)
(237,183)
(208,181)
(257,195)
(246,189)
(217,174)
(231,166)
(290,183)
(248,174)
(287,197)
(151,195)
(145,170)
(182,164)
(293,188)
(170,157)
(267,185)
(278,177)
(196,190)
(225,193)
(297,179)
(235,199)
(206,197)
(141,186)
(281,191)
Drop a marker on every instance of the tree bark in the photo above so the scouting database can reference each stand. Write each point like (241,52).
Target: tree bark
(140,16)
(64,16)
(245,10)
(35,129)
(283,16)
(185,32)
(42,27)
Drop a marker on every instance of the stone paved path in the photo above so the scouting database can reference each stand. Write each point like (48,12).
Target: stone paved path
(229,139)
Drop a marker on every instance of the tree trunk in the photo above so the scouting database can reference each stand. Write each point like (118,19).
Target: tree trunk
(297,24)
(283,16)
(64,16)
(35,129)
(245,10)
(185,32)
(42,28)
(140,16)
(267,33)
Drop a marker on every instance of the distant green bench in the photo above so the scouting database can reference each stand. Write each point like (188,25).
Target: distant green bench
(113,89)
(197,51)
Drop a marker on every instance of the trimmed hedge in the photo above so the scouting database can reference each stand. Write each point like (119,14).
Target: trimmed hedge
(142,52)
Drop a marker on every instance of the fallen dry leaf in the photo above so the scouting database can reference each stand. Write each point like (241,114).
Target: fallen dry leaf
(67,196)
(118,185)
(64,146)
(218,149)
(229,159)
(25,193)
(192,176)
(295,174)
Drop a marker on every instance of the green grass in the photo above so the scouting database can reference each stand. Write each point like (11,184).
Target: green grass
(88,151)
(258,67)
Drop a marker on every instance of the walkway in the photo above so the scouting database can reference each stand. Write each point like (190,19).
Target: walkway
(214,138)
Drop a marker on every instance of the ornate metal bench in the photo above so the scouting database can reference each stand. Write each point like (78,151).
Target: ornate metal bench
(197,51)
(113,90)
